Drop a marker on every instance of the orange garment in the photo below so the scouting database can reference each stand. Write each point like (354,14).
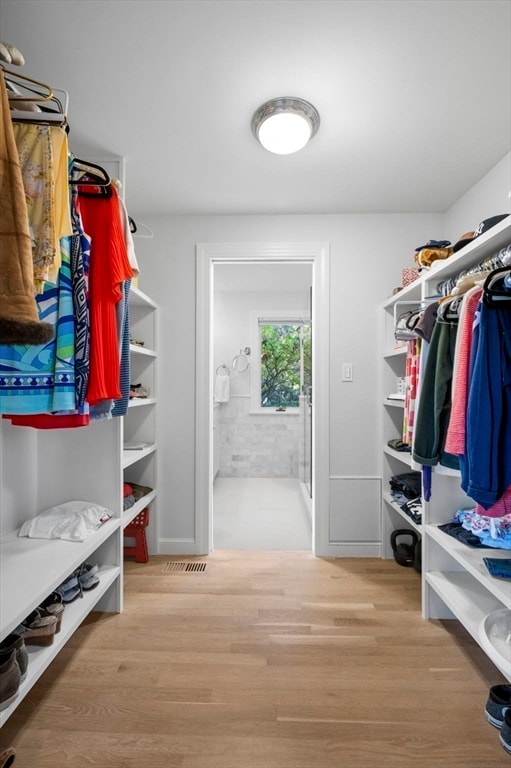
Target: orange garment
(109,268)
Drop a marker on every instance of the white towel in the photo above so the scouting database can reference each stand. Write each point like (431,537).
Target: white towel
(221,388)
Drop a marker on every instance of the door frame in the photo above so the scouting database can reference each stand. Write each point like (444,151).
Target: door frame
(207,255)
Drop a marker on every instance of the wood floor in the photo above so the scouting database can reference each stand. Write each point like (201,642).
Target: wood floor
(264,660)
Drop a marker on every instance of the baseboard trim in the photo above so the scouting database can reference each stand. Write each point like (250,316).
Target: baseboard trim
(176,547)
(352,549)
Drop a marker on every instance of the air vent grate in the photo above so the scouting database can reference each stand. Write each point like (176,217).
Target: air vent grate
(180,567)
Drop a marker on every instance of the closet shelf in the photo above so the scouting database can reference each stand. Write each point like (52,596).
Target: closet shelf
(395,506)
(136,349)
(133,456)
(394,403)
(33,568)
(397,352)
(74,614)
(403,457)
(471,559)
(129,514)
(138,298)
(470,603)
(138,402)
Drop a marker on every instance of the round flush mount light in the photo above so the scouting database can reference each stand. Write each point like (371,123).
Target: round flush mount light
(285,125)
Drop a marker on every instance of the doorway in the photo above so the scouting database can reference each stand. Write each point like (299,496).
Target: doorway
(209,257)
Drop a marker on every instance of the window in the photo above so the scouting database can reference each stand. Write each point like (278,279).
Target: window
(283,368)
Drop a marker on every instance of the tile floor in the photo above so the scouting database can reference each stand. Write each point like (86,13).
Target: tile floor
(260,513)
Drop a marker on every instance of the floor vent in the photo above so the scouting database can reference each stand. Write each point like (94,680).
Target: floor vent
(176,567)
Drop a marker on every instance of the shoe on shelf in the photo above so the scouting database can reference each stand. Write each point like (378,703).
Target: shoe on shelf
(70,589)
(37,629)
(505,732)
(10,677)
(499,702)
(7,757)
(53,605)
(87,576)
(15,642)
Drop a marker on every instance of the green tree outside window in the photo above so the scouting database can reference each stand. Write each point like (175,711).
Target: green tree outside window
(285,363)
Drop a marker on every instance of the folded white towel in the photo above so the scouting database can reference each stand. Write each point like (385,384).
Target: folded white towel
(222,388)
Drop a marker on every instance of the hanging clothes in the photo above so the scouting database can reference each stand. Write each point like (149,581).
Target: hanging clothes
(40,378)
(412,383)
(485,467)
(109,268)
(19,320)
(435,399)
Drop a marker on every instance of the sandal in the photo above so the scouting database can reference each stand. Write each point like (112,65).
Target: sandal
(53,606)
(37,629)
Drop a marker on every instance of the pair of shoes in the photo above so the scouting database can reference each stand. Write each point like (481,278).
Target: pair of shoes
(16,643)
(498,713)
(7,757)
(37,629)
(53,605)
(10,678)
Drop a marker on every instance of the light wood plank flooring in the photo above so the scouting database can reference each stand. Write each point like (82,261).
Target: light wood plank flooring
(265,660)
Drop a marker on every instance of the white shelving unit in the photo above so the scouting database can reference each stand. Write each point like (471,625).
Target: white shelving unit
(455,582)
(394,462)
(140,466)
(42,468)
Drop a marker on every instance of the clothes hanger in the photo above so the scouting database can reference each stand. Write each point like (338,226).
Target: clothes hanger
(497,287)
(45,96)
(92,175)
(448,309)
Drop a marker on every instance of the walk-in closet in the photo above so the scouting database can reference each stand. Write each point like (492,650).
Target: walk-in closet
(255,398)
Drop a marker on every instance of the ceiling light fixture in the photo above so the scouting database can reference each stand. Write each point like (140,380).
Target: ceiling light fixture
(285,125)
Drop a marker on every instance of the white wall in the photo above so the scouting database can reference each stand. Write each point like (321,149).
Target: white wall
(367,255)
(489,197)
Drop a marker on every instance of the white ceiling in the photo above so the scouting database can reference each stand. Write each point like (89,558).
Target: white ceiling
(414,97)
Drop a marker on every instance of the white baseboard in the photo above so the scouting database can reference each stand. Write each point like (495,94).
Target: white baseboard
(352,549)
(176,547)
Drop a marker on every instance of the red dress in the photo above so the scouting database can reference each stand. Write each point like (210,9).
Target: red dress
(109,267)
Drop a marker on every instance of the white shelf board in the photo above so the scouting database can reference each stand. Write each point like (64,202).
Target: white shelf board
(402,456)
(476,251)
(138,298)
(470,603)
(135,349)
(129,514)
(396,351)
(395,506)
(471,559)
(131,457)
(33,568)
(138,402)
(395,403)
(74,613)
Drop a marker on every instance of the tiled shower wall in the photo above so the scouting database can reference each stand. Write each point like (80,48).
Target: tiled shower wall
(258,446)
